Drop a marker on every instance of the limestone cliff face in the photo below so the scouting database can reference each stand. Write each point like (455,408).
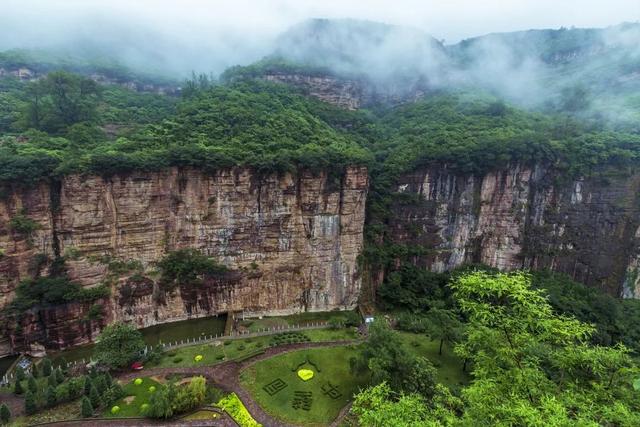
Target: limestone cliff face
(290,243)
(345,93)
(526,217)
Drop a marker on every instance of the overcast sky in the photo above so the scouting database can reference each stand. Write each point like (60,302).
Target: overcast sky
(241,30)
(448,19)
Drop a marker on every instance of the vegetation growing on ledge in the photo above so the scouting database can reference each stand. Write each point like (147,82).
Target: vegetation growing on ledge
(45,291)
(187,267)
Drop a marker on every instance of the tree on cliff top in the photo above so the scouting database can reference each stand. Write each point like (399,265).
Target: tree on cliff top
(118,345)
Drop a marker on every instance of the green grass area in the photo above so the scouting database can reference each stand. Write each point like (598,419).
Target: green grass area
(255,325)
(220,351)
(130,407)
(331,371)
(449,365)
(59,413)
(202,415)
(233,406)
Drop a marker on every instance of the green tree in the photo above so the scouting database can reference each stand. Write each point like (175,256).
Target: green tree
(100,384)
(60,100)
(32,385)
(20,375)
(87,385)
(379,406)
(443,325)
(17,388)
(63,392)
(59,375)
(161,403)
(46,367)
(118,345)
(30,406)
(186,267)
(5,413)
(35,369)
(191,396)
(389,361)
(51,397)
(51,380)
(94,397)
(86,410)
(527,357)
(75,387)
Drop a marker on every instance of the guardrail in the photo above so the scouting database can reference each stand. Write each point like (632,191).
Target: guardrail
(203,339)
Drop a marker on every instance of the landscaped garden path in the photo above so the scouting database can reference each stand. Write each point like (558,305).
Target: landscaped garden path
(226,375)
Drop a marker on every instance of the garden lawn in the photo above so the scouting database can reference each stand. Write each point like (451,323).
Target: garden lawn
(202,415)
(239,348)
(140,392)
(449,365)
(332,366)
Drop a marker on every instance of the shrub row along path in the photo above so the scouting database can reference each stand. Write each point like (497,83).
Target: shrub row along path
(226,375)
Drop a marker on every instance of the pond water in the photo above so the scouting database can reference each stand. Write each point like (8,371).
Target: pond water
(165,333)
(5,363)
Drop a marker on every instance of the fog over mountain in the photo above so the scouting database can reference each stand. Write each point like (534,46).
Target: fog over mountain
(178,37)
(411,48)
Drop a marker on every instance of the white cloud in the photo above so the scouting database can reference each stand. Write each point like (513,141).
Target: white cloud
(238,31)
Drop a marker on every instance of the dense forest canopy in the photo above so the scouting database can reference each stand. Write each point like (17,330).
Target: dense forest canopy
(66,123)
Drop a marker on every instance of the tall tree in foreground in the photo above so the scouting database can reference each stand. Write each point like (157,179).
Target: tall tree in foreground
(534,367)
(530,367)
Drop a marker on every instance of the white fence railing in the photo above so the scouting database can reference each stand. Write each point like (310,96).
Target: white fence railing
(203,339)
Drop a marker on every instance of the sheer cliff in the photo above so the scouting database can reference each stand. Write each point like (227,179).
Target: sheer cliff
(525,217)
(290,243)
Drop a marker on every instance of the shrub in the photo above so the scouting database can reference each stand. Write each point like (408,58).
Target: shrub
(59,375)
(46,367)
(5,413)
(241,347)
(23,225)
(233,406)
(62,393)
(51,380)
(336,323)
(177,359)
(20,375)
(94,397)
(30,406)
(75,387)
(113,393)
(17,389)
(86,410)
(32,385)
(51,397)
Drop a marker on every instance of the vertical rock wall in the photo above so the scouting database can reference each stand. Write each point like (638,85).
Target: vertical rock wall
(526,217)
(290,242)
